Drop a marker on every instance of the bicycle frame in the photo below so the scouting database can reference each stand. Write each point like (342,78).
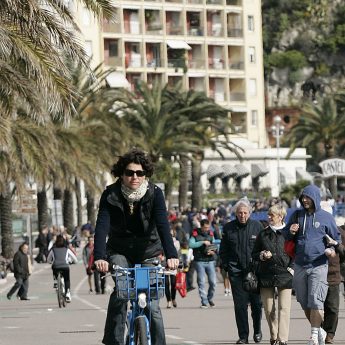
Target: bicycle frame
(139,285)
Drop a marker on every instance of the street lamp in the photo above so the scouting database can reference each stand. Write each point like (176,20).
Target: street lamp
(277,130)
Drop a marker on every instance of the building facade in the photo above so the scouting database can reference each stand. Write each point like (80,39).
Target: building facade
(213,46)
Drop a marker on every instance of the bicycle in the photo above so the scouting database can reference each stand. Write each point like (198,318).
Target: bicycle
(139,285)
(60,290)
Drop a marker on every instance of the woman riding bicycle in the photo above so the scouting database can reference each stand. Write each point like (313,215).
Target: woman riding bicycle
(132,213)
(61,257)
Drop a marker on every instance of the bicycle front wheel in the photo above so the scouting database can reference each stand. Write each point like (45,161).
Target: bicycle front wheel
(140,331)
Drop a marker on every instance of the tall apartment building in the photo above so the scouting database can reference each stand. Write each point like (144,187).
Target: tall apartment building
(213,46)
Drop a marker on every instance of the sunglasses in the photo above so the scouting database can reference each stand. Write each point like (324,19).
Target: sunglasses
(139,173)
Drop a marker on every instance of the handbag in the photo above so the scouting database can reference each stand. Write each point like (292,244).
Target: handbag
(289,248)
(250,281)
(181,284)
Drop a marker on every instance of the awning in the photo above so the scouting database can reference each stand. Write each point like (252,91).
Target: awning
(214,171)
(302,174)
(229,171)
(285,176)
(178,45)
(241,170)
(117,79)
(259,170)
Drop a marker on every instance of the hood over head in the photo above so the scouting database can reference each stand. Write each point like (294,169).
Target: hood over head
(313,192)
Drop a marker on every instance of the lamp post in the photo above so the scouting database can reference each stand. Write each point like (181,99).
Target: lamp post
(277,130)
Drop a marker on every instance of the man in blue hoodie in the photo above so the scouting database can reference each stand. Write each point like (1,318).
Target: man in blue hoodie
(308,227)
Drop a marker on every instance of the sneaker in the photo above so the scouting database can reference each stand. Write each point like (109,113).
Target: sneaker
(9,297)
(322,336)
(329,339)
(55,285)
(169,305)
(174,304)
(212,305)
(312,341)
(68,296)
(204,306)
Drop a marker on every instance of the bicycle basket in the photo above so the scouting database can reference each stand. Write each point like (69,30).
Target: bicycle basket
(132,281)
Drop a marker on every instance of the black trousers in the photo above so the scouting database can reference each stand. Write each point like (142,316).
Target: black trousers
(170,287)
(331,309)
(241,301)
(99,281)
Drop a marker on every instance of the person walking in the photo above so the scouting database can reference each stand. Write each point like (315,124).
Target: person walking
(308,227)
(331,305)
(236,248)
(21,273)
(170,279)
(275,273)
(204,260)
(132,228)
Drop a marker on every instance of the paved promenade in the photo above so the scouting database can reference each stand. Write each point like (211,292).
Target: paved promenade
(40,321)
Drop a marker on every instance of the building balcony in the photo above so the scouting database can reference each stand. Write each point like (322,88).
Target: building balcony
(239,65)
(237,97)
(154,29)
(234,2)
(195,2)
(195,31)
(176,63)
(216,64)
(218,96)
(175,30)
(153,63)
(114,61)
(214,2)
(196,63)
(111,27)
(235,32)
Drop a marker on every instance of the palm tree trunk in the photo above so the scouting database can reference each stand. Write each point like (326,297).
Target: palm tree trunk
(196,182)
(90,207)
(68,211)
(183,187)
(6,223)
(42,209)
(78,199)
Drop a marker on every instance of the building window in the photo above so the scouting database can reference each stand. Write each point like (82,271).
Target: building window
(88,48)
(250,23)
(254,118)
(252,58)
(86,18)
(252,87)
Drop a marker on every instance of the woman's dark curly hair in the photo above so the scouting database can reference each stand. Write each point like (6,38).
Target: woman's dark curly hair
(133,156)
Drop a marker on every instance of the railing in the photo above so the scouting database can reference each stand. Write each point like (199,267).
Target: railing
(235,32)
(154,63)
(216,64)
(114,61)
(176,63)
(215,32)
(197,63)
(239,65)
(195,1)
(234,2)
(214,2)
(175,30)
(112,27)
(154,29)
(237,96)
(195,31)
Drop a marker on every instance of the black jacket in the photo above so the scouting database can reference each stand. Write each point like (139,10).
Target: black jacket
(152,233)
(21,265)
(274,271)
(237,245)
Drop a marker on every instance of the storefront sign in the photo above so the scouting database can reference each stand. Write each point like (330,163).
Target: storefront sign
(333,167)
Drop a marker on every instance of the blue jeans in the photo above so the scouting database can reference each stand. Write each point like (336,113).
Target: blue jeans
(202,269)
(117,314)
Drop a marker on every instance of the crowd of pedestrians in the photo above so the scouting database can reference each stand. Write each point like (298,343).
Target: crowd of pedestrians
(217,243)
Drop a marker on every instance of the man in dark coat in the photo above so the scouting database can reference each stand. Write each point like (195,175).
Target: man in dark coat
(235,252)
(21,273)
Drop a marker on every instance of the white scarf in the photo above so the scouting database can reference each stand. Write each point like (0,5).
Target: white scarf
(277,227)
(134,195)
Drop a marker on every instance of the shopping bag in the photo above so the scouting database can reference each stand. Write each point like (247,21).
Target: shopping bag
(289,248)
(181,284)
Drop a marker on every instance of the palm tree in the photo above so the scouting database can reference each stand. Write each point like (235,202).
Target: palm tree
(208,126)
(319,129)
(33,34)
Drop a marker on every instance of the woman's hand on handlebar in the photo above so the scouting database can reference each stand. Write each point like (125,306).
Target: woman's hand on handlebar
(173,263)
(102,265)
